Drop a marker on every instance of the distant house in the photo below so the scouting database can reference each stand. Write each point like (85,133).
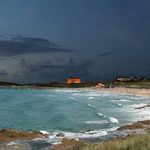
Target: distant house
(73,80)
(129,79)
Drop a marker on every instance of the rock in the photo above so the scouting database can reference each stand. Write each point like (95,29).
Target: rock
(60,135)
(9,135)
(142,107)
(136,125)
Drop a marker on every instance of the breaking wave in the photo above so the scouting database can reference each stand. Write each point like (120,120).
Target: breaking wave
(100,114)
(58,136)
(113,120)
(97,122)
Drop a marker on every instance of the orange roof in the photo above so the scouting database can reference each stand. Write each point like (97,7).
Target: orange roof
(73,80)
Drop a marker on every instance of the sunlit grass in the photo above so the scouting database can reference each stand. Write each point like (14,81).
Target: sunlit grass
(130,143)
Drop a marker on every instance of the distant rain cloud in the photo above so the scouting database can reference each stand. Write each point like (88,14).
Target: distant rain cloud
(3,72)
(105,54)
(20,45)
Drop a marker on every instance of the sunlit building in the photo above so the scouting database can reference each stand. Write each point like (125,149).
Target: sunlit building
(73,80)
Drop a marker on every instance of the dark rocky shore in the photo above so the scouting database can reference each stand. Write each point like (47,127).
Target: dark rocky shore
(124,132)
(137,125)
(10,135)
(26,140)
(23,140)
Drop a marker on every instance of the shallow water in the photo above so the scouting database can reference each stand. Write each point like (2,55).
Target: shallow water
(75,113)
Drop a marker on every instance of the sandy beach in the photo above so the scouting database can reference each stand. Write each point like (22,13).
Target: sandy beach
(123,90)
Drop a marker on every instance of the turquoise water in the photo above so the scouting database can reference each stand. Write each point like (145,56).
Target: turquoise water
(71,111)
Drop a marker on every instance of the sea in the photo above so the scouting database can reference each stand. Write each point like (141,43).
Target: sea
(73,113)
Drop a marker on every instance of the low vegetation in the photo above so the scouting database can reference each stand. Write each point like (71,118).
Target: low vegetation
(130,143)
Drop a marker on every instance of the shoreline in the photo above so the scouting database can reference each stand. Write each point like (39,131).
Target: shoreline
(139,128)
(21,140)
(122,90)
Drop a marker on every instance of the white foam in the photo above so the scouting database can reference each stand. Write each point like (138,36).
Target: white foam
(77,94)
(12,143)
(44,132)
(113,128)
(100,114)
(90,134)
(137,98)
(105,95)
(119,104)
(66,90)
(113,120)
(71,97)
(54,139)
(125,100)
(92,94)
(87,94)
(96,134)
(138,105)
(145,114)
(96,122)
(90,105)
(91,97)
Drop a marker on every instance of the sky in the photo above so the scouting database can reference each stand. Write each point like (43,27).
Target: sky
(52,40)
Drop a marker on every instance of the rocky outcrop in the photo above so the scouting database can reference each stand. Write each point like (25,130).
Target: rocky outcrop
(9,135)
(136,125)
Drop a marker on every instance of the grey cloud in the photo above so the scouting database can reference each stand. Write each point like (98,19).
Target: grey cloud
(24,45)
(23,63)
(30,11)
(71,61)
(3,72)
(47,65)
(47,71)
(76,5)
(41,66)
(105,54)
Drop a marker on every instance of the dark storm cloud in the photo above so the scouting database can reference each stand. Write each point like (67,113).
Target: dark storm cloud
(23,63)
(48,65)
(45,66)
(30,11)
(40,66)
(47,71)
(105,54)
(25,45)
(115,35)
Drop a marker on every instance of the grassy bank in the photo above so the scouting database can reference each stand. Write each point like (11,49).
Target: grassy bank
(129,143)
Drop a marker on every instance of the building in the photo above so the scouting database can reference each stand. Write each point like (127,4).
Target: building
(129,79)
(73,80)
